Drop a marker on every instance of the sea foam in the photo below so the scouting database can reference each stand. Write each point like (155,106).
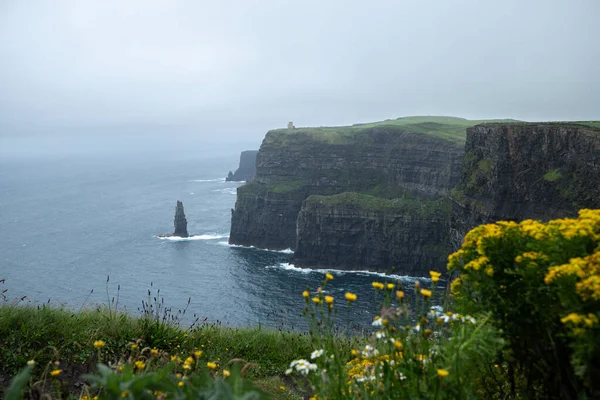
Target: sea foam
(291,267)
(286,251)
(207,236)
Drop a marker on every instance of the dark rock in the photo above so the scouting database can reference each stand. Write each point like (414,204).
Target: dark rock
(519,171)
(180,221)
(246,169)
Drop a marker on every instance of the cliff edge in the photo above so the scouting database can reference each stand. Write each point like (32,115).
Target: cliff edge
(246,169)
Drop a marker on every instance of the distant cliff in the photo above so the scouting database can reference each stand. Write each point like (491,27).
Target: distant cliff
(383,162)
(246,169)
(520,171)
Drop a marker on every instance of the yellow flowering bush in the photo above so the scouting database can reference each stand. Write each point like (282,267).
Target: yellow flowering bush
(541,283)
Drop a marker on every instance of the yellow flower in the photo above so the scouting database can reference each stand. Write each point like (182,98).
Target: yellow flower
(442,373)
(390,286)
(455,285)
(398,344)
(31,362)
(226,373)
(198,353)
(328,277)
(55,372)
(316,300)
(154,352)
(120,368)
(134,346)
(99,344)
(211,365)
(435,276)
(426,293)
(140,365)
(125,393)
(350,297)
(306,294)
(189,360)
(399,294)
(329,300)
(282,387)
(180,384)
(378,285)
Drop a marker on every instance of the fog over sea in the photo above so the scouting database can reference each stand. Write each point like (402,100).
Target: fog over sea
(71,218)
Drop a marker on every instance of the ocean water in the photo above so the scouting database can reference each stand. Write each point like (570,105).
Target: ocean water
(79,222)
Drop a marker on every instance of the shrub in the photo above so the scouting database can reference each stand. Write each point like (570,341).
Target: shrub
(541,284)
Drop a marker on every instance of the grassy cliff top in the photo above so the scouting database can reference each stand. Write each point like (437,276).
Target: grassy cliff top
(447,128)
(595,125)
(372,203)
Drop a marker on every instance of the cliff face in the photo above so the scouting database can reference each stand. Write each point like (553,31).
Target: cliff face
(385,161)
(247,168)
(519,171)
(353,231)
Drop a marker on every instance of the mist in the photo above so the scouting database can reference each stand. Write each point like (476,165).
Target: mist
(228,71)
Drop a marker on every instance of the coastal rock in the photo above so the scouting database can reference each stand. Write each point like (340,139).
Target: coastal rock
(246,169)
(385,162)
(180,221)
(526,171)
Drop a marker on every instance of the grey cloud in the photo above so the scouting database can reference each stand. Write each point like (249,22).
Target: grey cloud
(262,63)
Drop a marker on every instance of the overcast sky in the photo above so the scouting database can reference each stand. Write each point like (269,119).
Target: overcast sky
(246,66)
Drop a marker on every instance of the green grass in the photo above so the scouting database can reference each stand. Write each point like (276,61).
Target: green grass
(553,176)
(48,334)
(372,203)
(448,128)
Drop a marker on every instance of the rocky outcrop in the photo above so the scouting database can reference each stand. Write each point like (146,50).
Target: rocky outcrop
(246,169)
(354,231)
(180,221)
(384,161)
(520,171)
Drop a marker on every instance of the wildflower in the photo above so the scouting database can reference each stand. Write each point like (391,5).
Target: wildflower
(369,351)
(31,363)
(55,372)
(400,295)
(379,335)
(442,373)
(377,285)
(198,353)
(189,360)
(180,383)
(328,277)
(125,393)
(355,352)
(350,297)
(140,365)
(134,346)
(306,294)
(435,276)
(302,366)
(211,365)
(187,366)
(316,300)
(282,388)
(398,344)
(98,344)
(120,368)
(316,354)
(390,286)
(329,300)
(377,321)
(154,352)
(178,375)
(426,293)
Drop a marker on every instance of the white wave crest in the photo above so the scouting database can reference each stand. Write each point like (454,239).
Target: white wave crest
(226,190)
(291,267)
(286,251)
(207,236)
(208,180)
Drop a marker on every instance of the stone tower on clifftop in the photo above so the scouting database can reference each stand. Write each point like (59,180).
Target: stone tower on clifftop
(180,221)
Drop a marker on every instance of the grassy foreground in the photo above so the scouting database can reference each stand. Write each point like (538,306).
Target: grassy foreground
(49,335)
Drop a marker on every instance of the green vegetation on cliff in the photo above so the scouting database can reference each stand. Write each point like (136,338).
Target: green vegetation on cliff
(447,128)
(371,203)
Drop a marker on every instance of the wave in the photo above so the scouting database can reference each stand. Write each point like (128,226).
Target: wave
(207,236)
(208,180)
(226,190)
(291,267)
(286,251)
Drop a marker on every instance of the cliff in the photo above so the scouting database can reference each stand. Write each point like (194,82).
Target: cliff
(356,231)
(246,169)
(385,161)
(520,171)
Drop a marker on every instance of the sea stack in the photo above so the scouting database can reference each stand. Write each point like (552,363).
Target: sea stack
(180,221)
